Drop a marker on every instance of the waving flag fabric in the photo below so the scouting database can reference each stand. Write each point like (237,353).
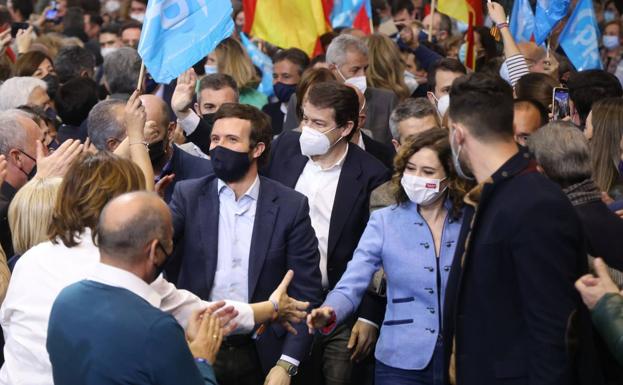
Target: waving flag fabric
(178,33)
(351,13)
(522,21)
(580,37)
(548,14)
(469,12)
(263,62)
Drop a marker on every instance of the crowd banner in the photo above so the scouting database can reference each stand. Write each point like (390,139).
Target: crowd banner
(522,21)
(179,33)
(580,37)
(548,14)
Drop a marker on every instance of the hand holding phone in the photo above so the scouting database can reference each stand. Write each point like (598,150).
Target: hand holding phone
(560,103)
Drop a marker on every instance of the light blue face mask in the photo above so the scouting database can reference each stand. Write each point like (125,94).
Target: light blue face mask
(210,69)
(461,26)
(608,16)
(610,42)
(463,53)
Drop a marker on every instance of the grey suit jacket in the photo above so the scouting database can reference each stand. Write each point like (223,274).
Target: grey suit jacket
(380,104)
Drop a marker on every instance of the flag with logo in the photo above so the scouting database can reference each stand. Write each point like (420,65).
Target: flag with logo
(178,33)
(522,21)
(351,13)
(580,37)
(548,14)
(262,61)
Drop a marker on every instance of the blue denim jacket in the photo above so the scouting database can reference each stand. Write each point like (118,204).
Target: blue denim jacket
(398,239)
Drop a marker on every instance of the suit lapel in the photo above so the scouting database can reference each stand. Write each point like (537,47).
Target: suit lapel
(263,226)
(209,218)
(294,169)
(348,190)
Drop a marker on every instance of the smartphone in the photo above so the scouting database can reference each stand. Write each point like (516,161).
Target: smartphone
(560,103)
(52,13)
(16,27)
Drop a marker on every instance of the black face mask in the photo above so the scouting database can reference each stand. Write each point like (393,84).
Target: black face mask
(52,83)
(229,166)
(209,120)
(157,152)
(33,171)
(160,269)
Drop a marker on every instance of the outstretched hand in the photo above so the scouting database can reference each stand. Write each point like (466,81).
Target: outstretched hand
(319,318)
(290,309)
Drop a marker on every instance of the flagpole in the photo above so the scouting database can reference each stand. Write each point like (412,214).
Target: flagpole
(433,5)
(141,75)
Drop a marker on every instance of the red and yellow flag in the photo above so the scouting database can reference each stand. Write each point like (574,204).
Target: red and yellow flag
(286,23)
(469,12)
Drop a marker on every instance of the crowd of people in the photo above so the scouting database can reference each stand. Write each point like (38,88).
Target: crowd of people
(384,215)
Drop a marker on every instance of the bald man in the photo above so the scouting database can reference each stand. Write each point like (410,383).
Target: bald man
(380,151)
(109,328)
(166,158)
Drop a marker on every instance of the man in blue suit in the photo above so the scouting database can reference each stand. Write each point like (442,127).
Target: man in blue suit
(108,329)
(337,177)
(236,235)
(168,160)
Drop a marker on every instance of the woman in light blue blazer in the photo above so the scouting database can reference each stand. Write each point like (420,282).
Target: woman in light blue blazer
(414,241)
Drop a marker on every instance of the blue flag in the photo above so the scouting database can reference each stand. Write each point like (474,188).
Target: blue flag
(344,12)
(580,37)
(178,33)
(261,60)
(548,14)
(522,21)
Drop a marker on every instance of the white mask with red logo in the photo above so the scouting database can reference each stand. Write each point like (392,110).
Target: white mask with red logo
(422,191)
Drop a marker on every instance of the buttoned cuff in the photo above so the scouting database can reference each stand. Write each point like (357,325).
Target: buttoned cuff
(291,360)
(368,322)
(189,123)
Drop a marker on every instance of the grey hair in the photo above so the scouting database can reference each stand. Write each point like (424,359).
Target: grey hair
(15,92)
(102,123)
(561,149)
(336,52)
(12,133)
(126,241)
(411,108)
(121,70)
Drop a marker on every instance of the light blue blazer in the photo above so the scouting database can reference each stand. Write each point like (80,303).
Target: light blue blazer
(398,239)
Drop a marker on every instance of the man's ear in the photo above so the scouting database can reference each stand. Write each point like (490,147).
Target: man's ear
(396,144)
(259,150)
(348,128)
(197,110)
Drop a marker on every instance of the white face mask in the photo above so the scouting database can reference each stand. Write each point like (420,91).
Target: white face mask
(443,103)
(112,6)
(314,142)
(422,191)
(139,16)
(108,50)
(210,69)
(411,82)
(358,81)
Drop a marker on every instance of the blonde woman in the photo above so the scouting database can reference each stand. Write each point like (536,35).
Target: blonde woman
(30,214)
(230,58)
(386,69)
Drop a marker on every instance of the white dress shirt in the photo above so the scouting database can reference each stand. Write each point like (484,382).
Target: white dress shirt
(39,276)
(235,230)
(116,277)
(320,186)
(189,123)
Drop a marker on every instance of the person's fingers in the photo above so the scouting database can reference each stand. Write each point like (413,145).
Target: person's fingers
(619,213)
(310,324)
(299,305)
(286,325)
(601,269)
(214,306)
(353,338)
(230,327)
(283,286)
(194,321)
(296,316)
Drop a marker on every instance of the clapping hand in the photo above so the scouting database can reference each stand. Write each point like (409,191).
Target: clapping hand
(207,335)
(594,288)
(290,309)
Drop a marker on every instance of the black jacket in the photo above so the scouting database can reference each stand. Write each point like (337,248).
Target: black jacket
(361,174)
(604,232)
(383,152)
(184,166)
(511,307)
(276,116)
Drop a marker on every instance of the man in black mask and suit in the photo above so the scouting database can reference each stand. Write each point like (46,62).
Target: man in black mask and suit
(214,90)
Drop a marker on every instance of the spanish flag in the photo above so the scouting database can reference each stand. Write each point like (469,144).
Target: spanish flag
(287,23)
(467,11)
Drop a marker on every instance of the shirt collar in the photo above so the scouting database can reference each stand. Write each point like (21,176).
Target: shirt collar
(253,192)
(113,276)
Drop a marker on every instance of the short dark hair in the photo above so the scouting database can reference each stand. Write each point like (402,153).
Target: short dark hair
(129,25)
(401,5)
(75,99)
(484,104)
(261,128)
(218,82)
(71,61)
(590,86)
(543,113)
(445,24)
(95,18)
(341,99)
(293,55)
(444,64)
(536,86)
(25,8)
(111,28)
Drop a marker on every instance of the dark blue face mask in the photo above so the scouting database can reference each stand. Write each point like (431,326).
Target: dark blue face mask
(33,170)
(283,92)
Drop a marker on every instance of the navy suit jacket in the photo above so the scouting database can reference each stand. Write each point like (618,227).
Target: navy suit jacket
(383,152)
(283,239)
(361,173)
(184,166)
